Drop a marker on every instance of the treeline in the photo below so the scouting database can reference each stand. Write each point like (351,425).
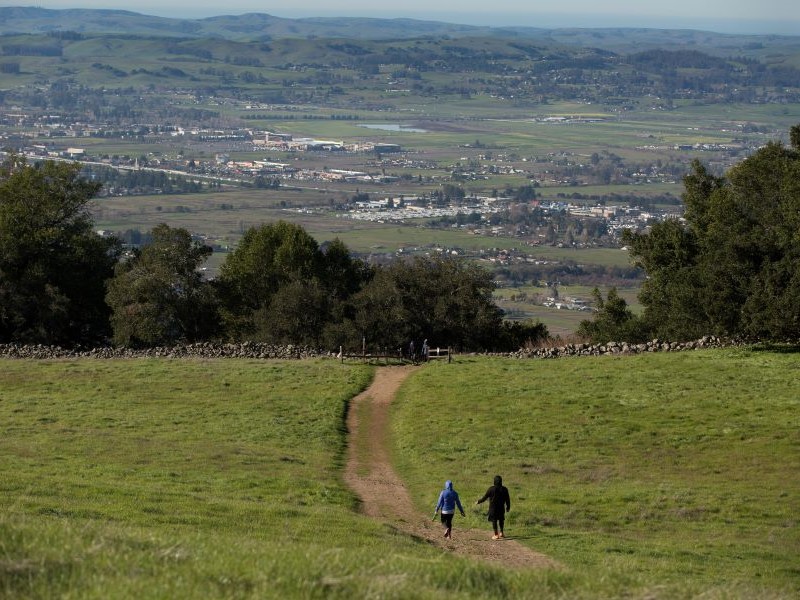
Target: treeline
(730,268)
(280,286)
(712,69)
(632,200)
(61,283)
(33,49)
(269,116)
(144,180)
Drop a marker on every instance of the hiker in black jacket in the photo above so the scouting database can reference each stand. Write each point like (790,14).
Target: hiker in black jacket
(499,504)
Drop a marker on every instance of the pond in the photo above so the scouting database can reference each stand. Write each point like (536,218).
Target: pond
(393,127)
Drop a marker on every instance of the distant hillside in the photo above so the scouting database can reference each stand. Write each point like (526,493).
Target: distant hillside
(263,27)
(246,27)
(340,72)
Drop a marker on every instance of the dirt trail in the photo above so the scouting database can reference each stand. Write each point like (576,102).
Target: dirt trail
(384,496)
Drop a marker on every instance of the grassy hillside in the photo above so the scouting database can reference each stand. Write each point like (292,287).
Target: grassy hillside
(652,476)
(663,476)
(198,479)
(260,27)
(249,26)
(101,59)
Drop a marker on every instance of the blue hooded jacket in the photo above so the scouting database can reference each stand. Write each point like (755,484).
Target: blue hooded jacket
(448,499)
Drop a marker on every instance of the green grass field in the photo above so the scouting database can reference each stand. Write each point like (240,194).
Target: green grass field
(660,476)
(650,476)
(198,479)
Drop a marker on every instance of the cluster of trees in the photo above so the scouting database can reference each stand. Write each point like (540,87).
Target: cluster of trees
(61,283)
(142,180)
(280,286)
(731,267)
(53,267)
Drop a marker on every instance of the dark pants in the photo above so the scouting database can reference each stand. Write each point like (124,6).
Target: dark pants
(498,522)
(447,520)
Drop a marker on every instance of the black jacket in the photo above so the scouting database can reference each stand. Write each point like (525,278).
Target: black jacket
(499,501)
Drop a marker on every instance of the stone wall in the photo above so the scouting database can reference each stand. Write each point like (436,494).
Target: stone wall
(708,341)
(199,350)
(257,350)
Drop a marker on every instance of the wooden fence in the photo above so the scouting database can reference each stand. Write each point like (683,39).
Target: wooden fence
(394,357)
(435,353)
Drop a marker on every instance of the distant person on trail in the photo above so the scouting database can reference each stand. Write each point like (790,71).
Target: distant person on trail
(425,349)
(499,504)
(411,353)
(447,503)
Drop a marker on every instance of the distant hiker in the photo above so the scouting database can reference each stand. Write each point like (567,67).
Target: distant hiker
(425,349)
(448,500)
(411,353)
(499,504)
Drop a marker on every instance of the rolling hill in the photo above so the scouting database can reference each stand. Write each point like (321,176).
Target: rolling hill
(263,27)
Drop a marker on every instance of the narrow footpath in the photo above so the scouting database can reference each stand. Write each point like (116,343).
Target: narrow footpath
(370,474)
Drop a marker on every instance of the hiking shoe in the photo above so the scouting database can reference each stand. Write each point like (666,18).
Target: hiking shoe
(495,537)
(501,535)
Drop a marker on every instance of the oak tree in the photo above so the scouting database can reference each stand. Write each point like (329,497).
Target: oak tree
(159,297)
(53,265)
(732,267)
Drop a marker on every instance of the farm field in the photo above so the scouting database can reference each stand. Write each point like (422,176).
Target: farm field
(222,478)
(524,302)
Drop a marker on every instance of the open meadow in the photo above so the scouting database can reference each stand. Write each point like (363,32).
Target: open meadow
(667,475)
(658,476)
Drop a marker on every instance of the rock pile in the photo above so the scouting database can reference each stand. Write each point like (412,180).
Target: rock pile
(708,341)
(253,350)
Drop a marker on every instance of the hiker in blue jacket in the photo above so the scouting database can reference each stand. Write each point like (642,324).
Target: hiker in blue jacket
(448,501)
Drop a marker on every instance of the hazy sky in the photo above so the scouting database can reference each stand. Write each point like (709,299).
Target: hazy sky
(727,16)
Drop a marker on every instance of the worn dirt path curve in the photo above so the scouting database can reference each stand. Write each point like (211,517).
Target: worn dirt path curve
(370,474)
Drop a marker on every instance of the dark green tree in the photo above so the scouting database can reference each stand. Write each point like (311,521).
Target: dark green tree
(267,258)
(447,301)
(297,314)
(280,286)
(53,265)
(380,314)
(158,296)
(614,321)
(733,267)
(671,294)
(521,334)
(757,230)
(342,274)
